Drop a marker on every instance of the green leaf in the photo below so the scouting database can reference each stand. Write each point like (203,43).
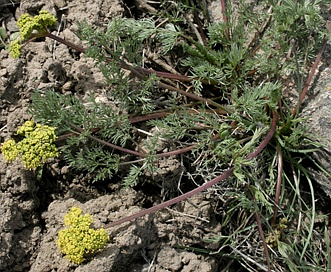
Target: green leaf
(3,33)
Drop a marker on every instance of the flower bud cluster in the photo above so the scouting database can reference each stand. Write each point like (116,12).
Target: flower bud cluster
(276,235)
(78,239)
(35,148)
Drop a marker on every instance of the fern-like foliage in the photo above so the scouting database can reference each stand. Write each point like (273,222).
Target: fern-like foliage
(239,64)
(210,117)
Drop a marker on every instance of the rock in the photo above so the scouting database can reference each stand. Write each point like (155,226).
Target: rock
(319,112)
(28,6)
(11,24)
(59,3)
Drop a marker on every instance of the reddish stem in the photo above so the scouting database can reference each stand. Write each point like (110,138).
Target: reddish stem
(126,66)
(60,40)
(138,72)
(201,188)
(129,151)
(279,182)
(310,77)
(225,19)
(173,200)
(223,6)
(266,139)
(259,225)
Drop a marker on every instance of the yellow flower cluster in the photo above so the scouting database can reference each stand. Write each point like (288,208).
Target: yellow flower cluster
(36,147)
(27,24)
(78,239)
(9,150)
(15,48)
(276,235)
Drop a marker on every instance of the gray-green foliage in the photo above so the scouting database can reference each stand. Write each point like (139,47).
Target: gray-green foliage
(225,61)
(67,114)
(241,65)
(3,36)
